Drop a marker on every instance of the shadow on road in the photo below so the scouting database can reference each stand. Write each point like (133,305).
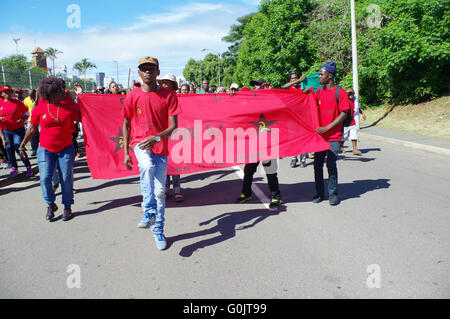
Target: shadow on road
(131,180)
(225,228)
(356,158)
(204,175)
(4,191)
(367,150)
(111,205)
(304,192)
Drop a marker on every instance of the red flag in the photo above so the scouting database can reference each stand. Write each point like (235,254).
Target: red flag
(214,131)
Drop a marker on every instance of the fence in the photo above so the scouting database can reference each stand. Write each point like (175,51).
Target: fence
(28,80)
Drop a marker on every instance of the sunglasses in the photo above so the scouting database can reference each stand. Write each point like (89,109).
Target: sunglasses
(146,68)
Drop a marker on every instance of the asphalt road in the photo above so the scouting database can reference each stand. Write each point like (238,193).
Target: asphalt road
(389,237)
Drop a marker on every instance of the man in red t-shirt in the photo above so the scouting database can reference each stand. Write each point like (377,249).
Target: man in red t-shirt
(332,107)
(150,116)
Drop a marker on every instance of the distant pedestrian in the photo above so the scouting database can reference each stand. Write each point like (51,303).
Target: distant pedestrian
(30,102)
(169,81)
(13,116)
(205,87)
(18,95)
(113,88)
(351,131)
(234,88)
(294,84)
(136,85)
(192,89)
(184,89)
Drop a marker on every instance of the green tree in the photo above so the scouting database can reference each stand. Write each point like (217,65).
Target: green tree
(16,72)
(52,53)
(191,71)
(82,67)
(276,42)
(408,59)
(230,57)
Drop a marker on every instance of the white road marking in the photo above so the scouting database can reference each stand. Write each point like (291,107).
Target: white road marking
(256,190)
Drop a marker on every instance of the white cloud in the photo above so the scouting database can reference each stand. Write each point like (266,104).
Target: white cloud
(173,37)
(175,15)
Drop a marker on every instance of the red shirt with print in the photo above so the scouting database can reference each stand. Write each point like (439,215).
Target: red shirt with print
(299,88)
(329,110)
(56,126)
(11,112)
(352,108)
(149,113)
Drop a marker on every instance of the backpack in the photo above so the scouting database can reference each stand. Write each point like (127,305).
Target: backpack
(348,117)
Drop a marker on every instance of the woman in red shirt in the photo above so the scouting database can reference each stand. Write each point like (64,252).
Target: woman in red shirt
(55,115)
(13,114)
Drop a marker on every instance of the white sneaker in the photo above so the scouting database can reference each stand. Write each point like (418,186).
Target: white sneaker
(160,241)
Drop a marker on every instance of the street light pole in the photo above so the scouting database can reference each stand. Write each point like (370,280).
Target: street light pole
(354,51)
(354,54)
(117,68)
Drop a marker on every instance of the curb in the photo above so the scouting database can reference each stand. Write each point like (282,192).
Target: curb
(416,146)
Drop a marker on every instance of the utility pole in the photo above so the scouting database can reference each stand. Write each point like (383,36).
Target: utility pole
(354,55)
(354,51)
(117,68)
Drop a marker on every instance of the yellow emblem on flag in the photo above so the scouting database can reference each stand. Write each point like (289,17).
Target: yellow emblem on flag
(139,111)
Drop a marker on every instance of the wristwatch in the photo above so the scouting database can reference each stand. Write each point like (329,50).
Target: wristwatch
(157,138)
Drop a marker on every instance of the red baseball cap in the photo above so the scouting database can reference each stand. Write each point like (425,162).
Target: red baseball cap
(5,88)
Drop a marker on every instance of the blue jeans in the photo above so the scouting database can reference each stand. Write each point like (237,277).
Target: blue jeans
(47,161)
(153,169)
(14,139)
(319,159)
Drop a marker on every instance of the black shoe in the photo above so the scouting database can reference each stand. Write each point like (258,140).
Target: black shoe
(334,200)
(275,203)
(302,164)
(50,211)
(67,215)
(317,199)
(243,198)
(294,163)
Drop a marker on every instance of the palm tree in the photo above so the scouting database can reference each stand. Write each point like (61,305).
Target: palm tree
(82,66)
(51,53)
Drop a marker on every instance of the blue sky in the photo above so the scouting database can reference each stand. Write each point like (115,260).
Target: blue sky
(123,31)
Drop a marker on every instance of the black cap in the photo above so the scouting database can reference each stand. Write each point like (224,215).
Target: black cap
(257,82)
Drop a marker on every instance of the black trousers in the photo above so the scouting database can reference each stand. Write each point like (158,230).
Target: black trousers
(272,180)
